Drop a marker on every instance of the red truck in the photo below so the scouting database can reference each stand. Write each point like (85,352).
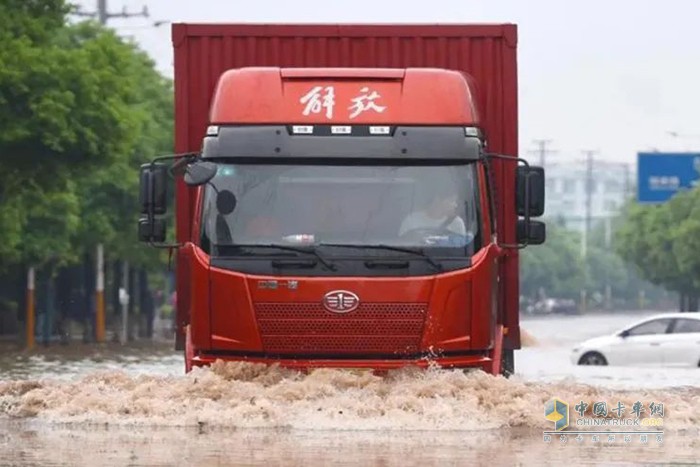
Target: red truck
(346,195)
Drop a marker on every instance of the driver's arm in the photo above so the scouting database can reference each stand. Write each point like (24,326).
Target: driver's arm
(457,226)
(409,223)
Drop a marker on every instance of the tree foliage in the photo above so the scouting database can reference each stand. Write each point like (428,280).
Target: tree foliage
(555,267)
(663,242)
(80,109)
(559,268)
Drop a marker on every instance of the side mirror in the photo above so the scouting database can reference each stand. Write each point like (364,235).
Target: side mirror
(624,334)
(199,173)
(529,202)
(152,190)
(151,229)
(531,232)
(529,184)
(152,198)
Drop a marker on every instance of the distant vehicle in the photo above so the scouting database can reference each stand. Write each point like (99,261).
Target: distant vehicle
(553,305)
(669,339)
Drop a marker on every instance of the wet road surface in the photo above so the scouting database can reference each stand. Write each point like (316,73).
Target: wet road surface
(108,405)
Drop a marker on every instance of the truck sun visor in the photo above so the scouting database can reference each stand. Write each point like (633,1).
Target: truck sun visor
(322,141)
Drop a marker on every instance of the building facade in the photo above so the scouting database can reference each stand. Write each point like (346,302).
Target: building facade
(571,186)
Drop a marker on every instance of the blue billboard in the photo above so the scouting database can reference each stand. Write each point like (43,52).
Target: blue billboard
(660,175)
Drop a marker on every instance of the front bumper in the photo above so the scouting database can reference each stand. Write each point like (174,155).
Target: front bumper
(467,361)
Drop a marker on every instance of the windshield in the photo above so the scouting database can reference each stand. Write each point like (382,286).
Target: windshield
(406,206)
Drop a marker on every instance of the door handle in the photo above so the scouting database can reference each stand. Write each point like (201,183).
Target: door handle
(654,343)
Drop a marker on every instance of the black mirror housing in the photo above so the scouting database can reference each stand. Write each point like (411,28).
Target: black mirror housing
(151,230)
(152,189)
(199,173)
(154,178)
(532,232)
(532,179)
(153,201)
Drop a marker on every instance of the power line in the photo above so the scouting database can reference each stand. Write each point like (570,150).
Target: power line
(103,14)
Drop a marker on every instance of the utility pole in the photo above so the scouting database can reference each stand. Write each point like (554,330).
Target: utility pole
(102,12)
(627,181)
(100,296)
(124,302)
(587,230)
(608,247)
(589,189)
(30,320)
(542,149)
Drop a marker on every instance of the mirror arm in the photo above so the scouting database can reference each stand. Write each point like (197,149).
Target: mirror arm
(165,246)
(517,246)
(181,159)
(216,190)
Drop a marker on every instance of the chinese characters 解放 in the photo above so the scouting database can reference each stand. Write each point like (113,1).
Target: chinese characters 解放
(323,98)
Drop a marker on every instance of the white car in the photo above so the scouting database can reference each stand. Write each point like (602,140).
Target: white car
(670,339)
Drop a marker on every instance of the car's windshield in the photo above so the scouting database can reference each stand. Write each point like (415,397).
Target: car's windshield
(410,206)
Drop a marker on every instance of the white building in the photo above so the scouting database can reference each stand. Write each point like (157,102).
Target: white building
(611,184)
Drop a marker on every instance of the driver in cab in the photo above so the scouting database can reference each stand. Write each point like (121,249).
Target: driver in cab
(438,217)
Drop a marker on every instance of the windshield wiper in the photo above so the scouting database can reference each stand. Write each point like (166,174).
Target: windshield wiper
(299,249)
(413,251)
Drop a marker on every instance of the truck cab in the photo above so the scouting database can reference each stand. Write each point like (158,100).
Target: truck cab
(344,217)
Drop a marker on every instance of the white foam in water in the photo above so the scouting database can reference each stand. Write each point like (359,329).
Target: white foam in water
(243,395)
(113,405)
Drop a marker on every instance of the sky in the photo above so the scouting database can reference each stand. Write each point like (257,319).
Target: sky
(610,76)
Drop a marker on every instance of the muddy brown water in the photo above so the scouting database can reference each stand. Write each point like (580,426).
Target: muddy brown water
(108,405)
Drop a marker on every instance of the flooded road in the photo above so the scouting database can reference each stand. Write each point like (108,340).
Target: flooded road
(86,405)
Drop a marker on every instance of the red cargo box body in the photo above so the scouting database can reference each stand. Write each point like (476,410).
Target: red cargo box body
(486,52)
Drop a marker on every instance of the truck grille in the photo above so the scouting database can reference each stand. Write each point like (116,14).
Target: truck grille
(374,328)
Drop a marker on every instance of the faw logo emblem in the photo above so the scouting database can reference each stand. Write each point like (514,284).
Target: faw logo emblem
(341,301)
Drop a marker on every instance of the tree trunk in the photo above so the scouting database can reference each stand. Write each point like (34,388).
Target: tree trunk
(146,303)
(49,310)
(64,302)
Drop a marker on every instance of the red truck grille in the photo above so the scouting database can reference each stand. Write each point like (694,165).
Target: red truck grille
(374,328)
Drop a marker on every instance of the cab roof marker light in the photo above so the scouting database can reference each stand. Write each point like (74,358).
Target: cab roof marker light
(472,131)
(303,130)
(341,130)
(213,130)
(379,130)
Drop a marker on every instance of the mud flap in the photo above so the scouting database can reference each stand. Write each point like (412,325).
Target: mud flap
(189,350)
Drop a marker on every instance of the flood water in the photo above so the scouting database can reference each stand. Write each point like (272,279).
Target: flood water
(92,405)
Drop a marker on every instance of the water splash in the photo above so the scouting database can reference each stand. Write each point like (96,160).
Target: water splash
(244,395)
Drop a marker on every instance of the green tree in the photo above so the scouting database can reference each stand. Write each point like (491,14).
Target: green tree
(559,269)
(110,195)
(556,266)
(80,109)
(662,241)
